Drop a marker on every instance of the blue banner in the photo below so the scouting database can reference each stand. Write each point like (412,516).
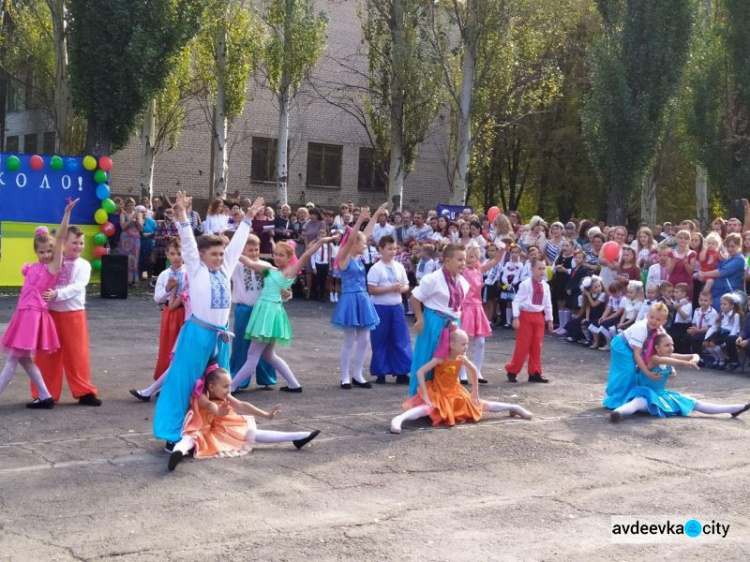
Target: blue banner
(452,212)
(39,196)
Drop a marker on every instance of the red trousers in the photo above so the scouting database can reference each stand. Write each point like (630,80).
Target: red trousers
(528,343)
(73,357)
(171,324)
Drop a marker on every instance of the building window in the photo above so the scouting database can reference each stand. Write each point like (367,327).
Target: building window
(11,144)
(14,97)
(48,143)
(324,164)
(30,144)
(263,164)
(372,175)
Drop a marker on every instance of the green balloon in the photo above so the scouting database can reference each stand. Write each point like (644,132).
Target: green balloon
(109,206)
(13,163)
(100,176)
(56,163)
(100,239)
(96,264)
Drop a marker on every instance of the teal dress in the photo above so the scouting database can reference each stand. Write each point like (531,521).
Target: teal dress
(661,402)
(269,322)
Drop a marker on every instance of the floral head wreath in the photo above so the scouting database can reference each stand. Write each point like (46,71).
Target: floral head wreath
(41,231)
(200,384)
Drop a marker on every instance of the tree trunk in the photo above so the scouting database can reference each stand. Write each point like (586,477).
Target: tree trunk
(148,150)
(282,175)
(6,27)
(211,166)
(617,211)
(396,172)
(98,138)
(701,196)
(648,198)
(220,120)
(463,140)
(63,101)
(281,152)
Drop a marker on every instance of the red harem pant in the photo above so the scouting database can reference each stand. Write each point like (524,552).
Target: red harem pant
(528,343)
(171,324)
(73,357)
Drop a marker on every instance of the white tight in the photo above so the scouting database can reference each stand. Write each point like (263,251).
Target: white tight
(158,383)
(6,375)
(254,353)
(355,342)
(186,444)
(477,356)
(424,410)
(639,404)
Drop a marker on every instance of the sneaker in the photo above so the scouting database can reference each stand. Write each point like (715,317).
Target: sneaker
(89,400)
(331,297)
(174,459)
(380,380)
(569,340)
(402,379)
(169,446)
(37,404)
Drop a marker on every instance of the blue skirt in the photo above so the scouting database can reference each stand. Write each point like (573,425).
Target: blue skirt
(665,403)
(355,310)
(196,347)
(391,345)
(265,375)
(622,373)
(426,344)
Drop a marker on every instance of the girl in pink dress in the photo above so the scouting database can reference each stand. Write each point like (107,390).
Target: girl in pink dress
(31,330)
(473,319)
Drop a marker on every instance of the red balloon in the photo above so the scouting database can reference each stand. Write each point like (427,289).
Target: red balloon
(492,212)
(36,162)
(105,163)
(100,251)
(108,229)
(611,251)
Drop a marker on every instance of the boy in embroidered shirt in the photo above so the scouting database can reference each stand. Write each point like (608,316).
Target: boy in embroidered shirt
(683,314)
(703,318)
(205,336)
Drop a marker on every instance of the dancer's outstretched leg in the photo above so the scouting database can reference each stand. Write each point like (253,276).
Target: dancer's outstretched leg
(706,408)
(637,404)
(146,394)
(513,409)
(409,415)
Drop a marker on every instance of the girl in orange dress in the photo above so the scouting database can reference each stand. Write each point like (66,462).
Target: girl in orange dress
(218,425)
(443,398)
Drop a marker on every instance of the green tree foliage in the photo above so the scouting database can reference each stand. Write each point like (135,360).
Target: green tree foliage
(121,53)
(636,68)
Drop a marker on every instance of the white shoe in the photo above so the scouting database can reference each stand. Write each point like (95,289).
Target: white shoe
(395,428)
(331,297)
(335,297)
(518,412)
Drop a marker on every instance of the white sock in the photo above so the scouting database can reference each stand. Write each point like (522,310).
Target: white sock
(185,445)
(254,353)
(509,316)
(410,415)
(8,372)
(269,354)
(158,383)
(706,408)
(266,436)
(637,404)
(363,340)
(347,347)
(36,377)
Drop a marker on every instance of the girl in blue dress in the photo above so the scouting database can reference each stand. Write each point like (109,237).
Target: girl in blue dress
(651,395)
(355,313)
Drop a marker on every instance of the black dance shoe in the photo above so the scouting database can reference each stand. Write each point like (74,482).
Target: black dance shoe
(536,377)
(299,443)
(37,404)
(89,400)
(511,377)
(140,396)
(287,389)
(355,382)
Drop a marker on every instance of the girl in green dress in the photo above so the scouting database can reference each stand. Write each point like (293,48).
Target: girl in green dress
(269,323)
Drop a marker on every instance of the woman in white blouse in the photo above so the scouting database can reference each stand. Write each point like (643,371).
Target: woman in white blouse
(216,220)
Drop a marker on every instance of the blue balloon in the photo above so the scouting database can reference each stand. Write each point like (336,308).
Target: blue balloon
(71,165)
(102,191)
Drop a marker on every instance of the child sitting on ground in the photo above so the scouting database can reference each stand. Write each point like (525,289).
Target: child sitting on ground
(218,425)
(442,398)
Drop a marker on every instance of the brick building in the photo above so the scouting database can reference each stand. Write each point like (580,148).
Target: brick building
(330,159)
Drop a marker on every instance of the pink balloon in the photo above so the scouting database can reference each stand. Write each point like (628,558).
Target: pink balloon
(611,251)
(36,162)
(108,229)
(492,212)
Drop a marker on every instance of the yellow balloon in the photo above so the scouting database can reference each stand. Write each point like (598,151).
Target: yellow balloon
(89,162)
(100,216)
(549,273)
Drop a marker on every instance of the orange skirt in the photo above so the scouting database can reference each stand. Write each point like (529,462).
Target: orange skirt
(171,324)
(225,436)
(452,405)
